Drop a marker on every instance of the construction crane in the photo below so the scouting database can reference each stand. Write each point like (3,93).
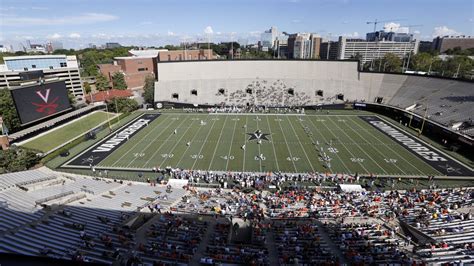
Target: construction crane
(383,21)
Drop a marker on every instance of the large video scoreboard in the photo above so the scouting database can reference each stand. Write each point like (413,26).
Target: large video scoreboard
(39,101)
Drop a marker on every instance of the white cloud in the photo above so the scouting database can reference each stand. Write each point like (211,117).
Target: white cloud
(7,8)
(255,33)
(354,34)
(417,32)
(146,23)
(170,33)
(101,36)
(74,35)
(39,8)
(85,18)
(443,31)
(208,30)
(395,27)
(54,36)
(470,19)
(296,21)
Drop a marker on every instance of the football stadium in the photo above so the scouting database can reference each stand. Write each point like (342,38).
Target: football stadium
(247,162)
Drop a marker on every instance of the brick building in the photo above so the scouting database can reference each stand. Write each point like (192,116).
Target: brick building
(142,63)
(441,44)
(181,55)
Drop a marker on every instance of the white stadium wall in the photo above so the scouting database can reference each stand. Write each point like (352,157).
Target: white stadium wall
(270,79)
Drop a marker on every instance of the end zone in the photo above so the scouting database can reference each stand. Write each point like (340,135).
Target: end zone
(99,151)
(442,163)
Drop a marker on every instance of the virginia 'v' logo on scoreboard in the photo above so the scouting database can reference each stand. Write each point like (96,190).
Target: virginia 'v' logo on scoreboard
(44,97)
(46,107)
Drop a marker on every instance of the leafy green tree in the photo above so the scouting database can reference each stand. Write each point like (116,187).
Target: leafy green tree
(17,159)
(2,55)
(65,51)
(149,89)
(122,105)
(118,81)
(357,57)
(449,67)
(101,83)
(71,97)
(392,63)
(421,62)
(8,111)
(87,87)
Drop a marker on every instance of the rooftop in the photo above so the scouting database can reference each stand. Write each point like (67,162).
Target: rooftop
(108,95)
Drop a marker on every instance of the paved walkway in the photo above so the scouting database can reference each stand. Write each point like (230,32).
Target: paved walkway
(201,250)
(271,247)
(332,246)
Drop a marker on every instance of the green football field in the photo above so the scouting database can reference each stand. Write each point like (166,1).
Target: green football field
(266,143)
(61,135)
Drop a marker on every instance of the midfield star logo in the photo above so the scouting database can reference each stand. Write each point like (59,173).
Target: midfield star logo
(46,107)
(258,135)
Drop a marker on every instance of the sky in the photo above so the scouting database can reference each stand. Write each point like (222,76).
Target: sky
(76,23)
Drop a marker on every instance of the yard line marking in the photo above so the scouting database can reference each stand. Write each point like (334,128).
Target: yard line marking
(360,148)
(230,147)
(245,143)
(258,145)
(217,144)
(289,151)
(152,142)
(174,147)
(136,144)
(294,131)
(187,148)
(204,143)
(377,150)
(397,154)
(325,140)
(273,145)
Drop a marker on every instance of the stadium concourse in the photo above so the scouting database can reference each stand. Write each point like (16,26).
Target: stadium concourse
(56,216)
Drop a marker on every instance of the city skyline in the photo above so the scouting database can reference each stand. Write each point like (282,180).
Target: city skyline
(150,23)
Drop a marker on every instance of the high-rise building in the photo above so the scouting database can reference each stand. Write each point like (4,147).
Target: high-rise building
(61,66)
(441,44)
(368,51)
(268,37)
(389,36)
(304,46)
(5,48)
(112,45)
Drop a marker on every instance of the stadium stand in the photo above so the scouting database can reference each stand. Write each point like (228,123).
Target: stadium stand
(149,223)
